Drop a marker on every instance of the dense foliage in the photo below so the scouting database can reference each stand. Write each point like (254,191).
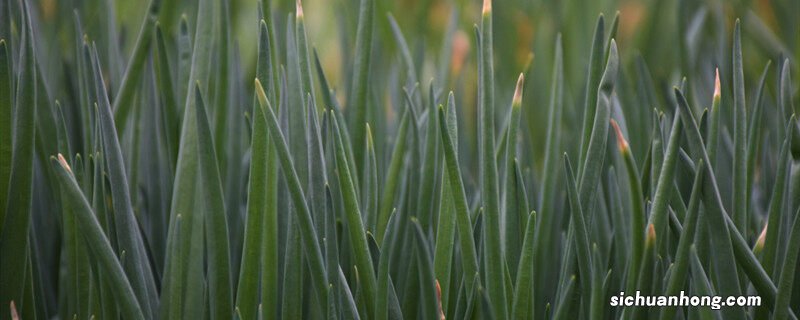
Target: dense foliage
(202,160)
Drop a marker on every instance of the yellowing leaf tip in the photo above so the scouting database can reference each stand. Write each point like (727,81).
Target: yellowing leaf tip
(622,144)
(63,163)
(517,101)
(299,5)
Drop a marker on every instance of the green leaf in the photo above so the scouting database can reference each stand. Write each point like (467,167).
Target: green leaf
(427,280)
(581,234)
(123,101)
(524,285)
(564,308)
(782,308)
(405,52)
(269,235)
(495,280)
(193,67)
(740,192)
(219,269)
(96,240)
(548,196)
(306,227)
(701,284)
(724,260)
(292,294)
(392,175)
(593,74)
(169,114)
(637,217)
(445,229)
(777,206)
(14,235)
(595,153)
(6,137)
(680,267)
(129,238)
(469,257)
(515,201)
(357,100)
(355,227)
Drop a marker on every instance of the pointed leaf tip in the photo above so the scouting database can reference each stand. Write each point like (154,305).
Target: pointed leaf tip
(622,144)
(299,5)
(487,6)
(64,164)
(439,299)
(517,101)
(262,96)
(651,235)
(761,239)
(717,86)
(14,315)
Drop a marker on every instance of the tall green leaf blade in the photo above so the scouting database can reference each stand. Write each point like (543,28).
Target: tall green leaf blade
(6,137)
(169,115)
(701,284)
(96,240)
(740,193)
(14,235)
(427,294)
(595,152)
(307,86)
(495,280)
(446,225)
(219,273)
(548,196)
(358,98)
(777,208)
(665,184)
(193,68)
(292,294)
(317,168)
(355,225)
(123,101)
(581,233)
(305,223)
(724,261)
(680,268)
(593,77)
(782,308)
(515,201)
(637,215)
(392,179)
(466,238)
(129,238)
(523,306)
(269,261)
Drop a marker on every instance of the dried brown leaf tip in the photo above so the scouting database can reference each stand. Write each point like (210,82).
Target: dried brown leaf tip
(761,239)
(63,163)
(262,96)
(622,144)
(517,101)
(439,299)
(299,9)
(717,87)
(14,314)
(651,235)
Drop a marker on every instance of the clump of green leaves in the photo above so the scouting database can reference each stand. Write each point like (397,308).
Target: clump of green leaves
(153,169)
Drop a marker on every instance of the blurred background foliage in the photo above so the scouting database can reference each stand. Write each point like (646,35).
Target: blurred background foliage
(673,38)
(660,42)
